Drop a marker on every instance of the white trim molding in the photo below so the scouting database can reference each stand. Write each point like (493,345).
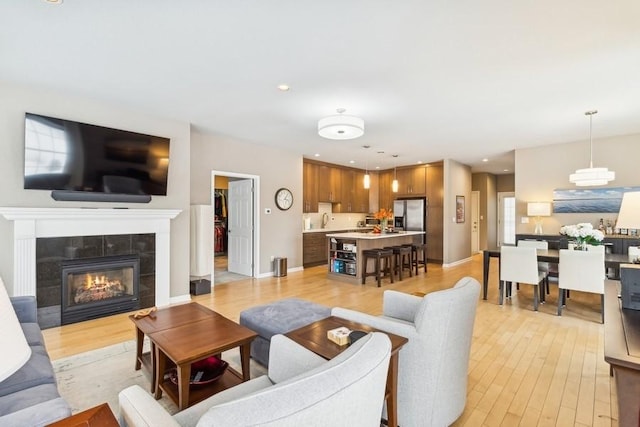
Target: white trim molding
(32,223)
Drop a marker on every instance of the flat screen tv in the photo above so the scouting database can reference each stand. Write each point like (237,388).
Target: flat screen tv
(66,155)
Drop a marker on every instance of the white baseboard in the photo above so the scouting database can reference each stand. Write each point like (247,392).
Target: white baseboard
(453,264)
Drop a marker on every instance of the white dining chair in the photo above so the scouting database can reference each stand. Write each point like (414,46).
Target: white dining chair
(520,265)
(549,269)
(634,253)
(581,271)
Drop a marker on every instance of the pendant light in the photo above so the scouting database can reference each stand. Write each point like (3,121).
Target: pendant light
(591,176)
(367,178)
(394,184)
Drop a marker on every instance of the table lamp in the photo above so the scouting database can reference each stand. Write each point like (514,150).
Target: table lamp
(15,349)
(629,217)
(538,210)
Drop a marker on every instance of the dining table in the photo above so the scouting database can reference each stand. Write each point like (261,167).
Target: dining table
(552,256)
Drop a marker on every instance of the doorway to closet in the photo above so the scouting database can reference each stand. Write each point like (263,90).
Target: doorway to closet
(234,202)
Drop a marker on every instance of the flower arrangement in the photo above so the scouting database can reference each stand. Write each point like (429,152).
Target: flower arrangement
(383,214)
(583,233)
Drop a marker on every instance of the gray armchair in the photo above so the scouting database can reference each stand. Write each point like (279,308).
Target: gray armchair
(433,365)
(301,389)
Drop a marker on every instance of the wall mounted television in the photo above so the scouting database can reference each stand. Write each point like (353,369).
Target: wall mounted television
(80,158)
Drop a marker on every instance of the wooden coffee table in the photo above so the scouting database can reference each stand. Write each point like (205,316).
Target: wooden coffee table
(195,341)
(314,338)
(160,320)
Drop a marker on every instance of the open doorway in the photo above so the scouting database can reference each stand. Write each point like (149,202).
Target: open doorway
(234,199)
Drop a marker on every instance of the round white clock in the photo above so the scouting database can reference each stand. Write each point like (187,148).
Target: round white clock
(284,199)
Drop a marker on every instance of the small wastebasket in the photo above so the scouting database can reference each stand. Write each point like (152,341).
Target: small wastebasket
(279,267)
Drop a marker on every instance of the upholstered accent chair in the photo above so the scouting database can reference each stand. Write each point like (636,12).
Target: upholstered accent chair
(301,389)
(433,365)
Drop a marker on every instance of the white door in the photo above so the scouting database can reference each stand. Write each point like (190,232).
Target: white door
(240,227)
(475,222)
(506,219)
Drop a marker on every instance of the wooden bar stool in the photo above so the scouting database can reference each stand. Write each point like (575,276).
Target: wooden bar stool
(378,255)
(402,258)
(418,255)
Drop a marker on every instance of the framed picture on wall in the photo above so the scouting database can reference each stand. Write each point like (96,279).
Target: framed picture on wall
(459,209)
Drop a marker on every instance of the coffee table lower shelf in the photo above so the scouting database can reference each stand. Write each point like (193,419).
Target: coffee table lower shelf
(230,378)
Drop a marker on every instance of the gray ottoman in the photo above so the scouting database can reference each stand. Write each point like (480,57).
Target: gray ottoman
(278,318)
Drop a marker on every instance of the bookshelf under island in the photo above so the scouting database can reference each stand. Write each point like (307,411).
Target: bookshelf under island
(345,250)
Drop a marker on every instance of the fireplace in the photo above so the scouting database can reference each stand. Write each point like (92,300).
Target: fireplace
(97,287)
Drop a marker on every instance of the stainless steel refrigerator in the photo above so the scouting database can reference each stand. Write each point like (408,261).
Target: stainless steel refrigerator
(410,214)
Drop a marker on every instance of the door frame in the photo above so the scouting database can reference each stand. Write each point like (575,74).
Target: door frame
(256,215)
(475,222)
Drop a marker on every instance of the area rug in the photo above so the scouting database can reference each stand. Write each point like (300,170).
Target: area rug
(89,379)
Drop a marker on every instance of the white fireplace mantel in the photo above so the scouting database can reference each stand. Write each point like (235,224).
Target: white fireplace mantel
(32,223)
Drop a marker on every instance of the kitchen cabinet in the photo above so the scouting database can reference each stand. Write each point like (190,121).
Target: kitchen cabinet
(354,197)
(385,195)
(435,211)
(329,182)
(314,249)
(310,187)
(411,181)
(361,194)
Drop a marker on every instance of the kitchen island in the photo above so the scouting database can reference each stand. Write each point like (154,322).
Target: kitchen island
(345,250)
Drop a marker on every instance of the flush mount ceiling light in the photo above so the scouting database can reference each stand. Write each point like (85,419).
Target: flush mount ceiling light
(591,176)
(341,126)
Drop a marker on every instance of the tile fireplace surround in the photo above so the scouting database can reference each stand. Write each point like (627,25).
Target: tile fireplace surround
(32,223)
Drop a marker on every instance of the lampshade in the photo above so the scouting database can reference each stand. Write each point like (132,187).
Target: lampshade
(538,209)
(367,181)
(591,176)
(15,349)
(629,216)
(341,126)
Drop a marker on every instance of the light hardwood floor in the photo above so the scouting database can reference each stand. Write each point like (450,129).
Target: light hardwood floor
(526,368)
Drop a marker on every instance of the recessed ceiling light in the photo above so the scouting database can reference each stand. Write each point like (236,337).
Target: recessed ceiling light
(505,170)
(419,162)
(317,155)
(53,1)
(380,152)
(283,87)
(377,167)
(485,160)
(352,161)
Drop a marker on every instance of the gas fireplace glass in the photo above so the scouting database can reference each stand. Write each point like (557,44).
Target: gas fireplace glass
(97,286)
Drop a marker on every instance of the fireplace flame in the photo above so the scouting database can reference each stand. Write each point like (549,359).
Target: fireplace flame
(96,288)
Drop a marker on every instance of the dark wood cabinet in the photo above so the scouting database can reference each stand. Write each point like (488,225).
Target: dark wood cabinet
(361,194)
(385,195)
(314,249)
(434,190)
(310,187)
(411,181)
(329,183)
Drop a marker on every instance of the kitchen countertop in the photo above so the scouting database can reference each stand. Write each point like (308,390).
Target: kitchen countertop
(371,236)
(334,230)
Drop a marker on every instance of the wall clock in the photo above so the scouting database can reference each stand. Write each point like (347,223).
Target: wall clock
(284,199)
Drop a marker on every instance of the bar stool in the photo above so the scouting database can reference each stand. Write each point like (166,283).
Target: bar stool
(402,259)
(418,255)
(378,255)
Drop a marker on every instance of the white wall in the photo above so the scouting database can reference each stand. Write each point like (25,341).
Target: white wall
(16,100)
(281,231)
(457,236)
(541,170)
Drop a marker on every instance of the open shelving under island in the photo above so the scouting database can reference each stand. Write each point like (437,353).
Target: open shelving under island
(345,250)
